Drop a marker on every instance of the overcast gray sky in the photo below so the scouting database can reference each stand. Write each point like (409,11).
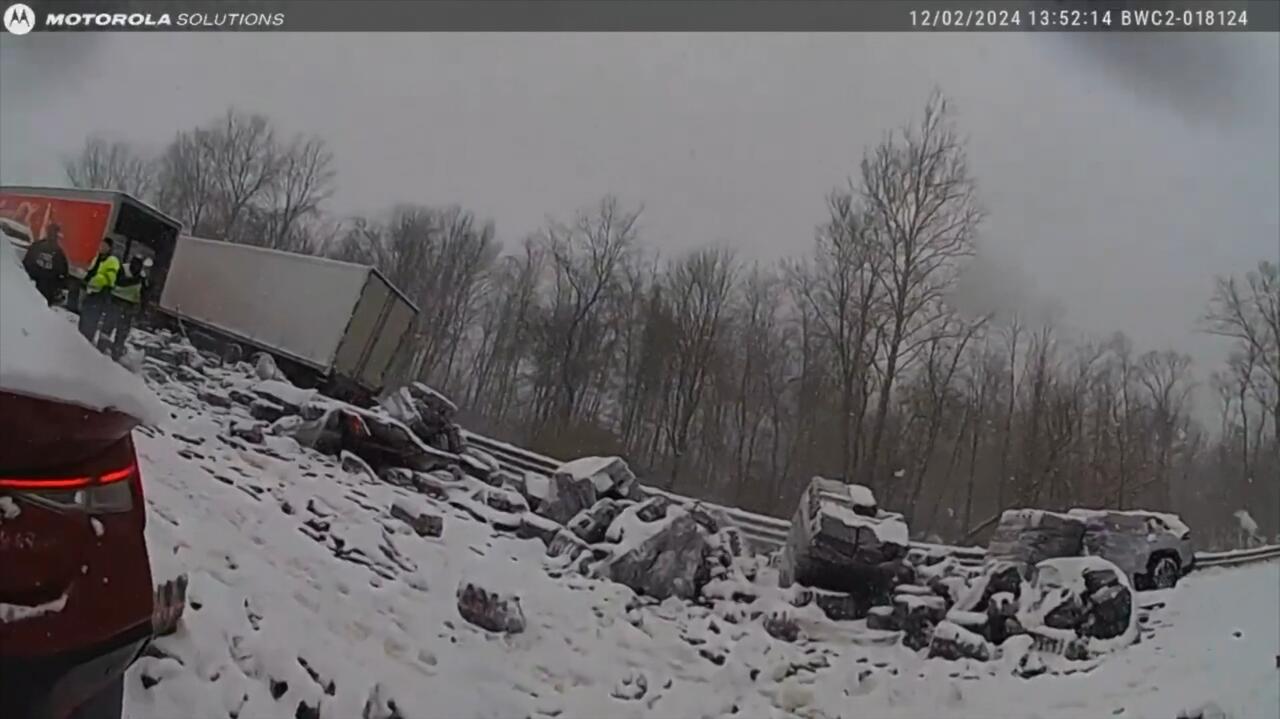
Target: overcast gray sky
(1121,172)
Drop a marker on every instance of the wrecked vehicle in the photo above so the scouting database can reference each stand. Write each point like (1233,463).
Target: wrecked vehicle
(1153,549)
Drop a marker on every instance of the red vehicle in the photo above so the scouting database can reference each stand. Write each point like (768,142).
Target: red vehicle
(75,589)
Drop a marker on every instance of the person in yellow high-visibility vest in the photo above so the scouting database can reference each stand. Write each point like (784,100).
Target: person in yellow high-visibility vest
(126,302)
(96,294)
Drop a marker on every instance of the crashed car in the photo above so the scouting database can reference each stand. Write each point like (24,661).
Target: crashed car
(1153,549)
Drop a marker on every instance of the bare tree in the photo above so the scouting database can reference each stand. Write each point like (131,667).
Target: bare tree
(187,188)
(923,210)
(244,158)
(108,165)
(841,290)
(699,287)
(1249,313)
(943,355)
(585,261)
(302,182)
(1166,378)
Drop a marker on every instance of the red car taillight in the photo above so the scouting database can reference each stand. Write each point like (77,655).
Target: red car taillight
(103,485)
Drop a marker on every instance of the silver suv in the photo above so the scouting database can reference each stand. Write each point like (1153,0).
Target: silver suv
(1153,548)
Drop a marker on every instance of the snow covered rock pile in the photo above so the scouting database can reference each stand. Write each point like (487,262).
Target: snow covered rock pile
(567,496)
(1077,607)
(671,562)
(577,485)
(588,513)
(839,540)
(313,594)
(1085,605)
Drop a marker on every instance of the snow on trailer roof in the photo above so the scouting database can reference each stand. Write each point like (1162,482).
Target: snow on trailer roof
(42,355)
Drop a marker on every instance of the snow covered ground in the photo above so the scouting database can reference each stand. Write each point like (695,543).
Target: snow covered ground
(308,599)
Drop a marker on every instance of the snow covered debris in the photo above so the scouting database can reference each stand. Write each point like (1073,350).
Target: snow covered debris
(568,495)
(667,564)
(1081,598)
(9,509)
(42,355)
(489,610)
(610,475)
(952,641)
(428,413)
(833,544)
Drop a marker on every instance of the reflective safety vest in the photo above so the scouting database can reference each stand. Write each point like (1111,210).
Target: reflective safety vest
(128,289)
(103,274)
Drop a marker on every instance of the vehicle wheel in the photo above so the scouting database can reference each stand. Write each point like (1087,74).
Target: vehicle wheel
(1163,572)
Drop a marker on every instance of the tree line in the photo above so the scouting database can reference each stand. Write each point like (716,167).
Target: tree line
(735,380)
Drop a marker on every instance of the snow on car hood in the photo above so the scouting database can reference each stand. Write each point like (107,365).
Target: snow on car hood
(42,355)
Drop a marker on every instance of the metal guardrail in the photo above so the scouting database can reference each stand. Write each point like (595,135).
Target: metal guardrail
(770,533)
(763,532)
(1236,557)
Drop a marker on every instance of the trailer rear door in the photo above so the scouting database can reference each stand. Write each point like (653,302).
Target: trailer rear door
(390,337)
(362,329)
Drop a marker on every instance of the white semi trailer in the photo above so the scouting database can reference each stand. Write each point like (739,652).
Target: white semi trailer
(327,322)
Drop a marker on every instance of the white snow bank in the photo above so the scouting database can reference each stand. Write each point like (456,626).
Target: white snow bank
(42,355)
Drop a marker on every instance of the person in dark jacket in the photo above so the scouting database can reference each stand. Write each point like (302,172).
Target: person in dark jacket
(46,264)
(127,298)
